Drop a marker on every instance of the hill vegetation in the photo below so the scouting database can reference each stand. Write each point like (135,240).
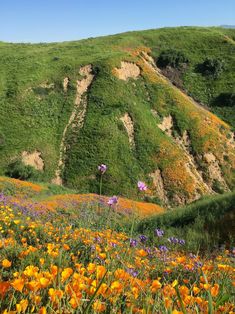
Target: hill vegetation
(66,107)
(204,225)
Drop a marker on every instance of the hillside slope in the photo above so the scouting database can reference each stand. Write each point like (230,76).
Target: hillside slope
(48,198)
(206,223)
(66,107)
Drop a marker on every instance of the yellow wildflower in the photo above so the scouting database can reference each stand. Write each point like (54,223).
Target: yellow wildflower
(6,263)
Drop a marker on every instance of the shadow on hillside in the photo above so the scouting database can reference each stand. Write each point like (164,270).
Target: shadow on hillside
(225,100)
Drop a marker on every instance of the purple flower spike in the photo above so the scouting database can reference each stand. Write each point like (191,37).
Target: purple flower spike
(113,200)
(142,186)
(143,238)
(159,233)
(102,168)
(176,241)
(181,241)
(173,240)
(133,242)
(163,248)
(132,272)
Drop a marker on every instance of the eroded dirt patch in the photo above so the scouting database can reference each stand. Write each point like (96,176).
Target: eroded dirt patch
(33,159)
(129,126)
(127,70)
(159,185)
(166,125)
(65,84)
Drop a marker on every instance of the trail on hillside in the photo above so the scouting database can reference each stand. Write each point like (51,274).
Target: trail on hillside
(81,88)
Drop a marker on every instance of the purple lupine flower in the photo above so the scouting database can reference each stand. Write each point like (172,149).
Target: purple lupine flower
(133,242)
(173,240)
(181,241)
(113,200)
(97,239)
(102,168)
(113,244)
(143,238)
(150,252)
(132,272)
(198,264)
(176,241)
(163,248)
(142,186)
(159,233)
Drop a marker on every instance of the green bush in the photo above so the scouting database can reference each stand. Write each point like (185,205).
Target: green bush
(212,67)
(173,58)
(18,170)
(225,100)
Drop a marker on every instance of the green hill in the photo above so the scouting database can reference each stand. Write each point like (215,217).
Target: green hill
(67,107)
(204,224)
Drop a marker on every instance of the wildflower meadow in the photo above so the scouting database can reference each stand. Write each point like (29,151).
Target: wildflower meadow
(91,259)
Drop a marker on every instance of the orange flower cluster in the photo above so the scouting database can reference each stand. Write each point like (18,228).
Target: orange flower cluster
(21,188)
(124,205)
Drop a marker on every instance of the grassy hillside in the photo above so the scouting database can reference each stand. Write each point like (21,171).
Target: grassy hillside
(36,107)
(204,224)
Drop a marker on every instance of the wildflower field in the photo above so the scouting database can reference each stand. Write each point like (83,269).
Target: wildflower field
(91,259)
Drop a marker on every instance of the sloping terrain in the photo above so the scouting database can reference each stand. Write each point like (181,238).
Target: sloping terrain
(35,198)
(67,107)
(207,223)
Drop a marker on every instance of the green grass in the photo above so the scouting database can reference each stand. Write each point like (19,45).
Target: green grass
(33,117)
(204,224)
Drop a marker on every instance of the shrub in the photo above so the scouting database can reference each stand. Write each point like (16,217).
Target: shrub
(173,58)
(212,67)
(18,170)
(225,100)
